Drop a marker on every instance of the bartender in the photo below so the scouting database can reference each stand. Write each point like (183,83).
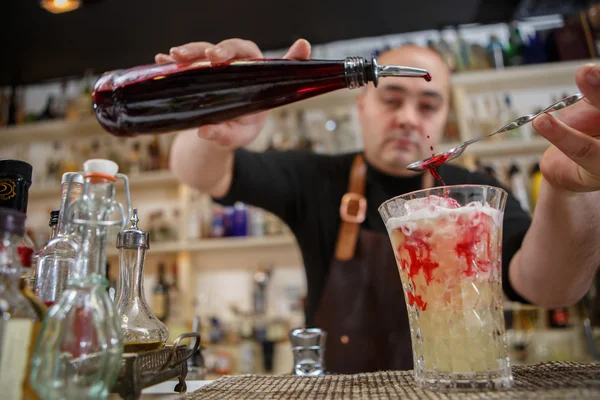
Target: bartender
(354,290)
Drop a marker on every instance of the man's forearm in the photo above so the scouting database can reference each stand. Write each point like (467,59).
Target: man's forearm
(201,164)
(561,251)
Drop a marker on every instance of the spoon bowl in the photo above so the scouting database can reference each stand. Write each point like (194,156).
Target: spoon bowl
(455,152)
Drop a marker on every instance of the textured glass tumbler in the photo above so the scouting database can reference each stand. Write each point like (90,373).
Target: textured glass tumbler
(448,247)
(308,347)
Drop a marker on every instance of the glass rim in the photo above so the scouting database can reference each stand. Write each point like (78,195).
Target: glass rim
(449,187)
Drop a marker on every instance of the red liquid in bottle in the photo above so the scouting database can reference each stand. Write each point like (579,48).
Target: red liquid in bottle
(48,303)
(167,97)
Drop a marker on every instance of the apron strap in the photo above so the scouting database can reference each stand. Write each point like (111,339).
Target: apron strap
(353,209)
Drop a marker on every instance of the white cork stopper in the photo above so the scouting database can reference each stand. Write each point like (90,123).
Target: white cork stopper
(98,165)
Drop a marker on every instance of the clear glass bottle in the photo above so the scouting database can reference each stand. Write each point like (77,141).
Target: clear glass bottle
(142,331)
(57,258)
(19,323)
(78,353)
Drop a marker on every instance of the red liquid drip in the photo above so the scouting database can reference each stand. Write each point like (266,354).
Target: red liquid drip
(428,136)
(427,77)
(431,148)
(433,162)
(473,237)
(168,97)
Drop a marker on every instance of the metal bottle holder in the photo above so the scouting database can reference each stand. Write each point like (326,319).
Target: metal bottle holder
(141,370)
(144,369)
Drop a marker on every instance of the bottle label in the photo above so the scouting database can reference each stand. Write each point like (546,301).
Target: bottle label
(7,189)
(15,341)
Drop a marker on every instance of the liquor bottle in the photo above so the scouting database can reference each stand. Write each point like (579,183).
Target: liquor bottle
(142,331)
(177,322)
(15,181)
(57,258)
(78,353)
(53,223)
(19,323)
(160,295)
(165,97)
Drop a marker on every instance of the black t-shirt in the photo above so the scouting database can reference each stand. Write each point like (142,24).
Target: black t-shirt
(305,189)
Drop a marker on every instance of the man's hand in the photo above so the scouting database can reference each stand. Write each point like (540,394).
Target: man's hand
(573,162)
(240,131)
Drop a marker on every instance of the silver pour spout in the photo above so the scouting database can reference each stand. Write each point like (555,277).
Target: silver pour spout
(397,70)
(359,72)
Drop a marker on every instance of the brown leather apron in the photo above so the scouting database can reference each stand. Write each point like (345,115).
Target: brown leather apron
(362,307)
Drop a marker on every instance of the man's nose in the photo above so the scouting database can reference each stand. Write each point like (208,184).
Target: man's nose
(407,117)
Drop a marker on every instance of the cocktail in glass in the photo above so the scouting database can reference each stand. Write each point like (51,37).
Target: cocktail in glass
(448,247)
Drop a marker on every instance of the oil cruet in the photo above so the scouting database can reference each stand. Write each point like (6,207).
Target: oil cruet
(78,352)
(142,331)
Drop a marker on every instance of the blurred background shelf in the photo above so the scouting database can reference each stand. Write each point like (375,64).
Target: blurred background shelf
(215,244)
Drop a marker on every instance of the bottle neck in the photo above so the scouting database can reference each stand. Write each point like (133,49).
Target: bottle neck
(130,287)
(10,263)
(96,205)
(63,218)
(358,72)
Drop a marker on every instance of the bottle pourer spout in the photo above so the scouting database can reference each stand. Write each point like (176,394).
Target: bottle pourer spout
(398,71)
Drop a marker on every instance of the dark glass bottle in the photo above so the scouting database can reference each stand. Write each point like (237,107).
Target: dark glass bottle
(161,98)
(160,295)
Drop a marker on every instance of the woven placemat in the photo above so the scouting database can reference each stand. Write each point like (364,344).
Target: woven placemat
(555,380)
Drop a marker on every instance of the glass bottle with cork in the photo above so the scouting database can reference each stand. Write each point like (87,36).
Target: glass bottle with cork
(142,330)
(165,97)
(57,258)
(78,353)
(19,322)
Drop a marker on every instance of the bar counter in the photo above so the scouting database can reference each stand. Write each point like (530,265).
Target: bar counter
(553,380)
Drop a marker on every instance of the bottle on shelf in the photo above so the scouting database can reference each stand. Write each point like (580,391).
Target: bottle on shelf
(15,181)
(518,186)
(128,102)
(53,223)
(160,295)
(510,114)
(495,52)
(78,353)
(177,322)
(142,330)
(516,47)
(57,258)
(19,322)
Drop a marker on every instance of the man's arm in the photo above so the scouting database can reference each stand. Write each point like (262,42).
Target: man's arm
(202,164)
(561,250)
(203,158)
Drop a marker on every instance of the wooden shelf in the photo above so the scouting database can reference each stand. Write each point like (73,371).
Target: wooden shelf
(142,180)
(204,245)
(499,148)
(524,77)
(51,130)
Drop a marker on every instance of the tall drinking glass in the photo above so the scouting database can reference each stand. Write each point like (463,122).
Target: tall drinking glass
(448,247)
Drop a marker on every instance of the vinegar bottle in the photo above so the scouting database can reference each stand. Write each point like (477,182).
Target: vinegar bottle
(160,98)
